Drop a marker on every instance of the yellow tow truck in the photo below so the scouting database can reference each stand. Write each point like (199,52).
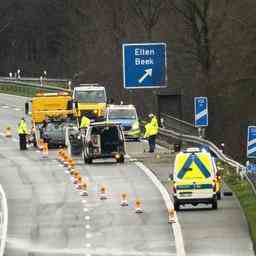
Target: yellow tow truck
(49,112)
(90,100)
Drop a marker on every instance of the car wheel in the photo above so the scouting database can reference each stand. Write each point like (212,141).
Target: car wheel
(219,195)
(214,204)
(176,205)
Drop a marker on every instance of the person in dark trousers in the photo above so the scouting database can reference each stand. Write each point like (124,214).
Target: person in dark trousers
(23,131)
(151,132)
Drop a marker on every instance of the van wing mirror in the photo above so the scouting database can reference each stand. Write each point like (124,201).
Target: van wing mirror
(26,108)
(171,176)
(189,169)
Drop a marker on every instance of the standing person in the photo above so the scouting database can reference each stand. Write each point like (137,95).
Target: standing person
(85,122)
(151,132)
(23,131)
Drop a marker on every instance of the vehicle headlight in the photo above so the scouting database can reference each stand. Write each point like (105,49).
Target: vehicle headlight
(135,125)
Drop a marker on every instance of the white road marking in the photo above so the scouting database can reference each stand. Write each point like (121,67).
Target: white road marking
(88,235)
(87,226)
(180,249)
(86,210)
(17,109)
(88,245)
(87,217)
(84,201)
(5,106)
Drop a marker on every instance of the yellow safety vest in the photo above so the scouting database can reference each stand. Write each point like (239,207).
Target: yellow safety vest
(151,128)
(85,122)
(22,128)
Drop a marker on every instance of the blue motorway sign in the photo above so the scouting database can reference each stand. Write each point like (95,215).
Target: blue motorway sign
(144,65)
(201,111)
(251,142)
(251,168)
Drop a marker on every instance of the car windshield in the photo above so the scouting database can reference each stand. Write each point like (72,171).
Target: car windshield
(122,114)
(97,96)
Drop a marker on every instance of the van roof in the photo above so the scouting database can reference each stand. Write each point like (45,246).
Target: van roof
(89,88)
(121,107)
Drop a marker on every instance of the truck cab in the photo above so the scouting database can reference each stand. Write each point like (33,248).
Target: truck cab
(90,100)
(194,179)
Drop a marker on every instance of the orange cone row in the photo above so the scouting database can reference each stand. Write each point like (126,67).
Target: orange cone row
(82,185)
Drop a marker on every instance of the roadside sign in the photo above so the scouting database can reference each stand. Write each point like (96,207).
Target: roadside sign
(251,142)
(144,65)
(251,168)
(201,111)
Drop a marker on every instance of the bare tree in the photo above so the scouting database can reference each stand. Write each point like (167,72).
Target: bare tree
(148,11)
(203,26)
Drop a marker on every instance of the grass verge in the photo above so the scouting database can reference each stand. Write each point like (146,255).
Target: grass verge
(247,198)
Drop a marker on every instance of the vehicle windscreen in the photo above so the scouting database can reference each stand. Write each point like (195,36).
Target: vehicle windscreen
(97,96)
(122,114)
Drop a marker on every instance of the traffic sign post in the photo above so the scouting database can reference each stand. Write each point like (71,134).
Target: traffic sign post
(144,65)
(201,111)
(251,142)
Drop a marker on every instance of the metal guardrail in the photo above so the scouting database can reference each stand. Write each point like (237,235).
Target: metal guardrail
(33,85)
(170,122)
(3,221)
(241,169)
(35,79)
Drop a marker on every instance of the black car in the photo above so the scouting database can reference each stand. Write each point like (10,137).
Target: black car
(103,140)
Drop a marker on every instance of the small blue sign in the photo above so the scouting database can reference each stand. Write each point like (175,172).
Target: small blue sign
(144,65)
(201,111)
(251,142)
(251,168)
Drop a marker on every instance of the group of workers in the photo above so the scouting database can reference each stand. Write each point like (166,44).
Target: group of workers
(151,131)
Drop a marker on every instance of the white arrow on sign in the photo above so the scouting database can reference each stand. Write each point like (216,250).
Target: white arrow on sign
(148,72)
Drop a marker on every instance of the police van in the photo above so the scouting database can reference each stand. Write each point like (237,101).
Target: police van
(194,179)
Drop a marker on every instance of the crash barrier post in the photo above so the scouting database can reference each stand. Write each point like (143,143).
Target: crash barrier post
(138,208)
(8,132)
(103,193)
(124,201)
(172,215)
(4,221)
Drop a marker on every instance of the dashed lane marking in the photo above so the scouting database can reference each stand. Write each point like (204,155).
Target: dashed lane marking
(87,217)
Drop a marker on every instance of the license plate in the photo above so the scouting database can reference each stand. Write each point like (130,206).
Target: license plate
(186,194)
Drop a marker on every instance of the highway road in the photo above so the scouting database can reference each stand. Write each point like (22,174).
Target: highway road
(47,216)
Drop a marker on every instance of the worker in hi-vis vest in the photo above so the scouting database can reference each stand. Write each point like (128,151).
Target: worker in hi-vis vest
(23,132)
(85,122)
(151,132)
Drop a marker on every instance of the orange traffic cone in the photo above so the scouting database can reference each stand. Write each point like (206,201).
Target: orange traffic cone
(124,201)
(60,155)
(71,164)
(172,216)
(66,160)
(8,132)
(45,150)
(40,143)
(84,189)
(138,208)
(78,180)
(103,191)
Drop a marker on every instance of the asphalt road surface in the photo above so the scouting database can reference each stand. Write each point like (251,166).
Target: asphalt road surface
(47,216)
